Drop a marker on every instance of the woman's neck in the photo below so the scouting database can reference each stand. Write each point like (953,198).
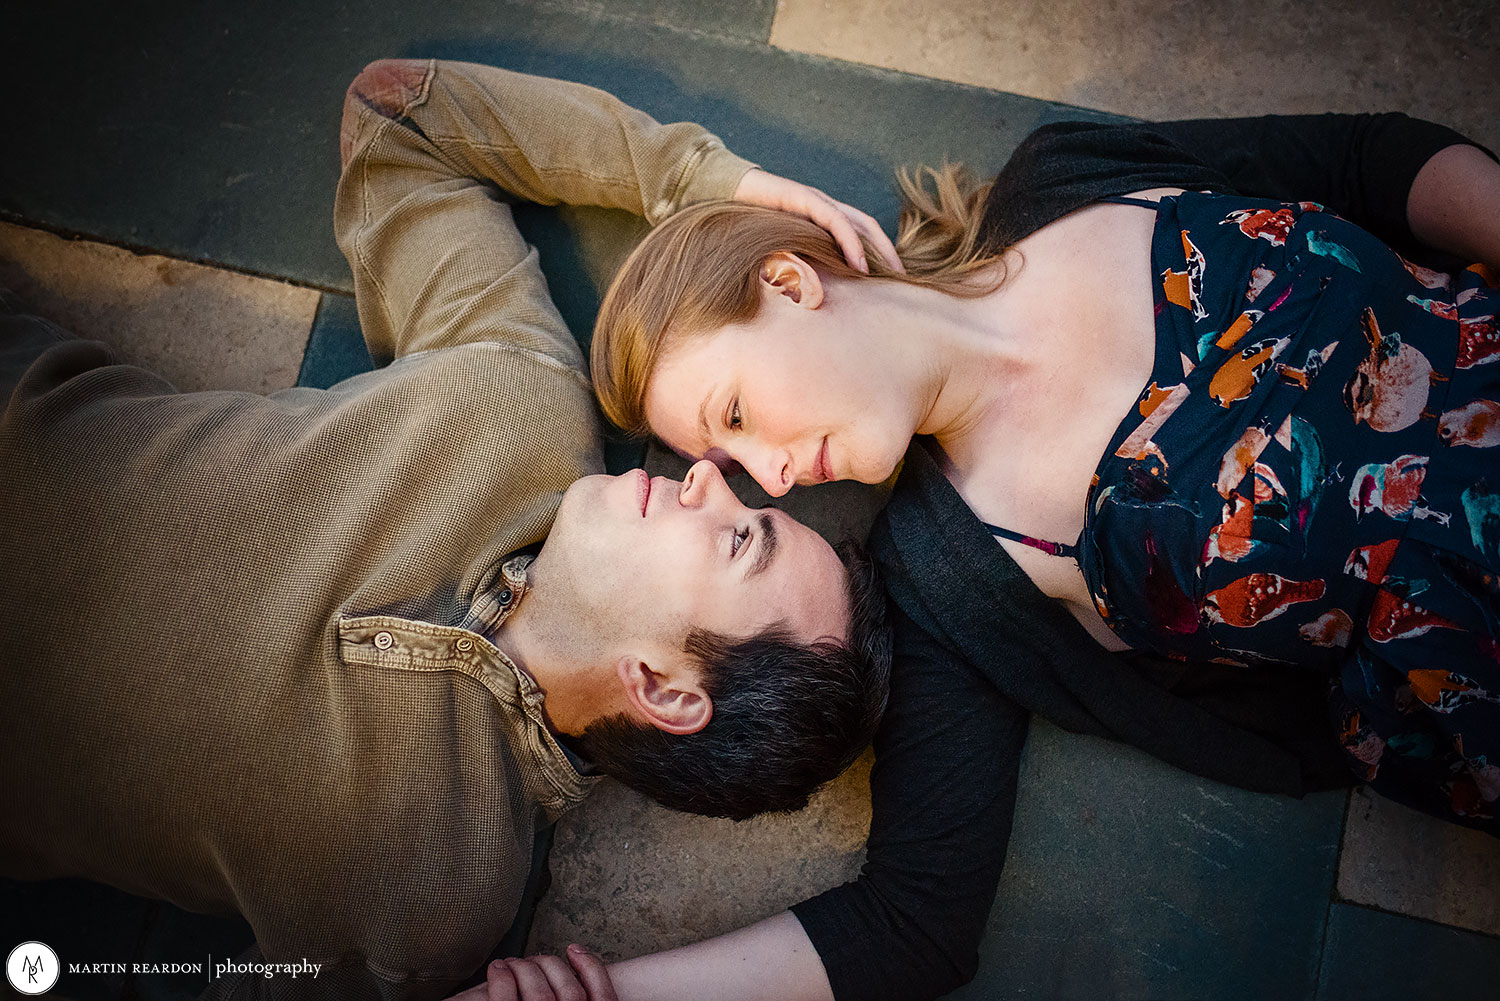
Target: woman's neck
(960,353)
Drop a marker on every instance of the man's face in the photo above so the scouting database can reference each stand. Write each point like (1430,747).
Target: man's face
(653,558)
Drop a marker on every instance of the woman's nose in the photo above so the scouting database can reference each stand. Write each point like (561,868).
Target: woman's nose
(772,469)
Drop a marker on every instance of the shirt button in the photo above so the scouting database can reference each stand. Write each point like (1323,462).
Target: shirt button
(504,596)
(465,644)
(384,640)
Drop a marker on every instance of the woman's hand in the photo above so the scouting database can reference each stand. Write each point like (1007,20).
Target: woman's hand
(845,223)
(544,978)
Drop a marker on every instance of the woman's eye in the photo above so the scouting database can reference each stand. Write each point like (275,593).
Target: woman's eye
(740,538)
(734,416)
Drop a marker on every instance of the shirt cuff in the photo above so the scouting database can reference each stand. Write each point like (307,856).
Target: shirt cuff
(714,177)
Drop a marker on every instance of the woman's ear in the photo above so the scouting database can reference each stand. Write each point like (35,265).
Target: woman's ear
(787,275)
(669,698)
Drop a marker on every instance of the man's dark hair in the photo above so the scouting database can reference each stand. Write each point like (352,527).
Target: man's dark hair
(787,716)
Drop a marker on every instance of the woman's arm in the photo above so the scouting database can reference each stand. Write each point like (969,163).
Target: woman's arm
(770,959)
(1372,169)
(1409,181)
(944,788)
(947,759)
(1454,204)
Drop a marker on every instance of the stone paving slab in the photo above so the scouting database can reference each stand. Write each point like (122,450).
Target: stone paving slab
(1161,61)
(1370,956)
(210,131)
(1127,878)
(1397,859)
(335,348)
(747,20)
(201,327)
(631,877)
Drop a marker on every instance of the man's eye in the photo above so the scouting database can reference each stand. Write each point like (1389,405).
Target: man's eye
(734,416)
(740,538)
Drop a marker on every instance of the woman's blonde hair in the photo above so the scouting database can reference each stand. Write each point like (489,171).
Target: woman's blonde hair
(699,271)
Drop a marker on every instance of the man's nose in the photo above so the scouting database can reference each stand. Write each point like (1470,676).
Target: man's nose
(701,483)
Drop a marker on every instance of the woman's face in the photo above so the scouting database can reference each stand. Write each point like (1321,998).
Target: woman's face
(791,396)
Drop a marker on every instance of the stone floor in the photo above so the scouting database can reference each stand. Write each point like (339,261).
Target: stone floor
(1159,61)
(1154,883)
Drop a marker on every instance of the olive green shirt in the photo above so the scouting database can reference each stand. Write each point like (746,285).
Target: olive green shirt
(244,668)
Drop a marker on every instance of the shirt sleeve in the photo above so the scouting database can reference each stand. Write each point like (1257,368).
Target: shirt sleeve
(1360,166)
(944,787)
(430,151)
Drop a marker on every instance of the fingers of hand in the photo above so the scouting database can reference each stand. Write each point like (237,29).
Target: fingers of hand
(592,972)
(846,236)
(871,229)
(531,983)
(845,223)
(500,984)
(560,977)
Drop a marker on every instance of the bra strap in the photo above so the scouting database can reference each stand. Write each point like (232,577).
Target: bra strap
(1050,548)
(1144,203)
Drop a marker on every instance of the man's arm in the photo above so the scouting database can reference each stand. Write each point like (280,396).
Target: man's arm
(427,148)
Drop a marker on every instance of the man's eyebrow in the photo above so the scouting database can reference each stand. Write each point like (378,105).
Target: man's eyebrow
(765,551)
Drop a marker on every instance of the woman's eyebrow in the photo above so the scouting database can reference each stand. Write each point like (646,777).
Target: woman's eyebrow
(765,551)
(703,422)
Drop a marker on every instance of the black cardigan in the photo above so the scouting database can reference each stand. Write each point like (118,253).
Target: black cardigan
(980,648)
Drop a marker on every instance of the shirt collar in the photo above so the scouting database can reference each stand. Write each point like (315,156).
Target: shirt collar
(499,596)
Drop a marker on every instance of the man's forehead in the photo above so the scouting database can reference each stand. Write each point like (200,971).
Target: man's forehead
(809,581)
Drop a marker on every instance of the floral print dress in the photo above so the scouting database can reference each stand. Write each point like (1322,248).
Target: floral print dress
(1312,477)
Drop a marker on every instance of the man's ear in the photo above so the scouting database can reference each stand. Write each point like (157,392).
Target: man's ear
(669,697)
(787,275)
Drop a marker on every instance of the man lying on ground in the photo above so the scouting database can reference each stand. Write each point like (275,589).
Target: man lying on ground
(329,659)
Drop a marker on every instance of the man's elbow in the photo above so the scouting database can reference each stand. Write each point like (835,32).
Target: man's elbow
(389,87)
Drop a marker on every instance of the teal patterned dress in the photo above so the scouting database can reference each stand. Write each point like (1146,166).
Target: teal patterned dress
(1312,477)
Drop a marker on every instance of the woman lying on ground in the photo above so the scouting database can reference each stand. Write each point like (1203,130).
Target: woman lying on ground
(1208,461)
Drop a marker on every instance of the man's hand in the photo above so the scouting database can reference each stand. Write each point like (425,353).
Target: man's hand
(845,223)
(545,978)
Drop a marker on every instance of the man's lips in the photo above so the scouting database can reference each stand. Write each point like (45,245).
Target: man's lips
(644,489)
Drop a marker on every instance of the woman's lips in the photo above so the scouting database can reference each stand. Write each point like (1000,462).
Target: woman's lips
(644,490)
(824,473)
